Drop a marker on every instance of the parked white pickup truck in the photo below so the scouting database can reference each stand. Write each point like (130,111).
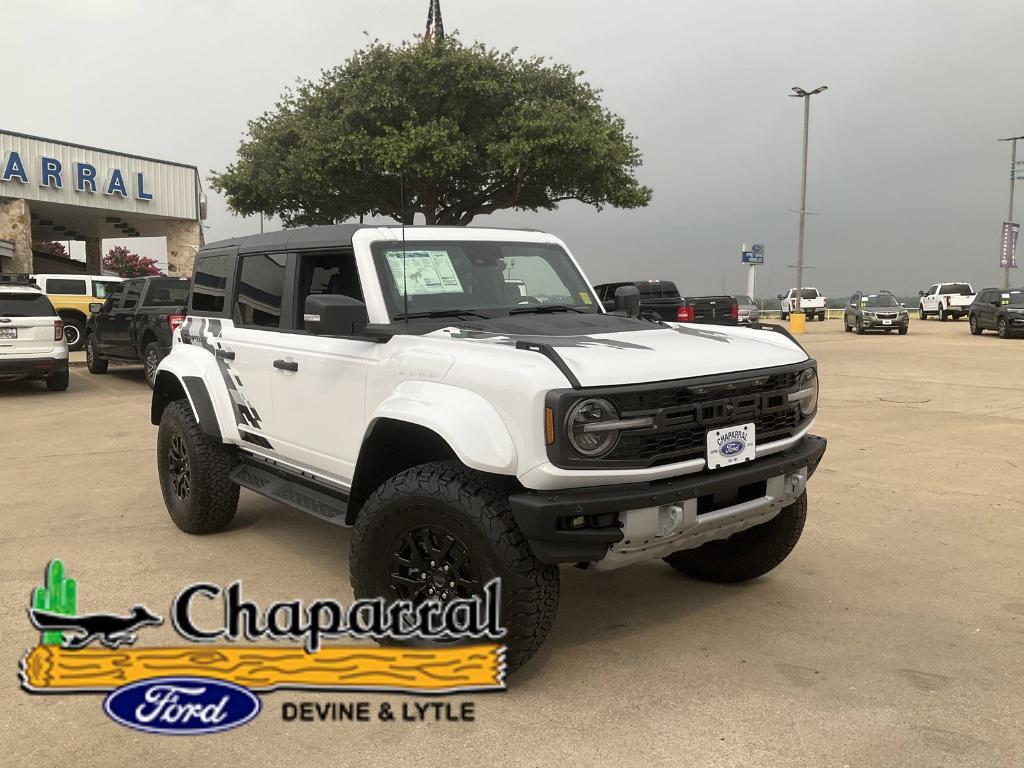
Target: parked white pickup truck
(945,300)
(812,303)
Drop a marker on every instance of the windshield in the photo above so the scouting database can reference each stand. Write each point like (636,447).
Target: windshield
(25,305)
(1012,298)
(962,289)
(446,279)
(879,300)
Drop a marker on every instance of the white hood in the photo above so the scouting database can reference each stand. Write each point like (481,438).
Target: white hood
(680,351)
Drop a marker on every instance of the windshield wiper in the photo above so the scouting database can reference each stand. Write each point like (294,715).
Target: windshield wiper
(536,309)
(442,313)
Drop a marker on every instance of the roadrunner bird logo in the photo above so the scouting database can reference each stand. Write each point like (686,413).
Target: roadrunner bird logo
(112,631)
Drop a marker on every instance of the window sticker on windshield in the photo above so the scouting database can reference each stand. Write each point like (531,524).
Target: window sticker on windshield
(585,297)
(424,272)
(864,301)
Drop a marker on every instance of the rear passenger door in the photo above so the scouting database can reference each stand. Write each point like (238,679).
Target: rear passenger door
(320,400)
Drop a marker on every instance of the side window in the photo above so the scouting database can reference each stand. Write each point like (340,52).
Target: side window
(66,286)
(101,288)
(854,298)
(932,290)
(326,273)
(209,283)
(131,294)
(260,290)
(113,297)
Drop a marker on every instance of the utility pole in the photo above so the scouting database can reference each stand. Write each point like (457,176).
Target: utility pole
(800,93)
(1013,180)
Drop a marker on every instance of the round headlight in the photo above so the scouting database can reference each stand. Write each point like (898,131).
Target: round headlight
(807,392)
(591,427)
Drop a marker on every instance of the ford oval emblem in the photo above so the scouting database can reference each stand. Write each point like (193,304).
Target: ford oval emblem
(732,447)
(182,705)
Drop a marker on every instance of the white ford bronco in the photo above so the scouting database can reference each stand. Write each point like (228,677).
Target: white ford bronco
(462,399)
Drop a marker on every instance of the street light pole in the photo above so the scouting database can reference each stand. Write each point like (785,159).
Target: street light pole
(1013,180)
(800,93)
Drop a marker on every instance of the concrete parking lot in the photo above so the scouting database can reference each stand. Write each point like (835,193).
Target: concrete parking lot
(892,636)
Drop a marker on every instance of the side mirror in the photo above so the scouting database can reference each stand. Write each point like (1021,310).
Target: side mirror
(95,306)
(853,305)
(779,297)
(920,293)
(327,314)
(627,300)
(609,306)
(904,306)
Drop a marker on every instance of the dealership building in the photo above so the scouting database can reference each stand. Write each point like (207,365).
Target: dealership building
(55,190)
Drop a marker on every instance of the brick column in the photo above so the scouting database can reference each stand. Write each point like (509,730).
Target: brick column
(16,225)
(93,255)
(183,237)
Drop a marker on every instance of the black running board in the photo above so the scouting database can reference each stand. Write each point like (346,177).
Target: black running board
(320,501)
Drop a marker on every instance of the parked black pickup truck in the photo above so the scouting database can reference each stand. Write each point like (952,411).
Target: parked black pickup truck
(136,323)
(661,299)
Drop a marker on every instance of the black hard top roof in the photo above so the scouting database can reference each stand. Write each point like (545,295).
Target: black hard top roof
(320,236)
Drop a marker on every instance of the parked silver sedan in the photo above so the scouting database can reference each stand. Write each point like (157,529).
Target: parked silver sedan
(749,312)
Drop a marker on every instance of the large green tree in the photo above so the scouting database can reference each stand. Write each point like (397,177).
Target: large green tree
(471,130)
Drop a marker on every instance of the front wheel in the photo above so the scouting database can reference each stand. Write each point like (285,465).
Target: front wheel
(747,554)
(860,328)
(903,331)
(975,328)
(194,472)
(1002,329)
(440,531)
(920,312)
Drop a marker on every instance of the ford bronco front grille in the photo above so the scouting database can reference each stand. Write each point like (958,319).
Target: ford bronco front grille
(683,412)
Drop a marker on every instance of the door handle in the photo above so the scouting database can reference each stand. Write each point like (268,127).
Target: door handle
(286,365)
(224,354)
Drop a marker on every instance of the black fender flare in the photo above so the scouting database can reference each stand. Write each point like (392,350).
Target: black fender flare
(168,387)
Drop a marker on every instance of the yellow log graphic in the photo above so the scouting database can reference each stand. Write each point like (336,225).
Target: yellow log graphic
(474,667)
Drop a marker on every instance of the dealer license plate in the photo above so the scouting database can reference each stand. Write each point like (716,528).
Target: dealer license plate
(887,322)
(8,333)
(730,445)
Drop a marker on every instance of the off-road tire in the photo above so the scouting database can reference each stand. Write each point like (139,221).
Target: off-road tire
(79,329)
(212,498)
(973,322)
(58,382)
(472,507)
(1002,329)
(150,362)
(747,554)
(93,361)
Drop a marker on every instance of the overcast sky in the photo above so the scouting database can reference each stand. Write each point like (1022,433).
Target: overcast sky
(906,176)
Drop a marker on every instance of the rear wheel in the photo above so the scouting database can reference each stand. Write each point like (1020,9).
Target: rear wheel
(74,333)
(150,362)
(58,382)
(747,554)
(943,315)
(975,328)
(194,472)
(95,363)
(440,531)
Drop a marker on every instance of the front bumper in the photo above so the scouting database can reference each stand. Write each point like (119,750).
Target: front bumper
(651,520)
(32,367)
(875,324)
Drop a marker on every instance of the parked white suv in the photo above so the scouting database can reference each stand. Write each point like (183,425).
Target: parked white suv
(946,300)
(32,342)
(462,398)
(811,302)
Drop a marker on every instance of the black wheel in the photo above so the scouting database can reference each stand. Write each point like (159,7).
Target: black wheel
(58,382)
(1001,329)
(150,361)
(920,312)
(860,327)
(975,328)
(821,317)
(747,554)
(194,472)
(439,531)
(943,315)
(783,316)
(74,333)
(904,329)
(93,361)
(846,326)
